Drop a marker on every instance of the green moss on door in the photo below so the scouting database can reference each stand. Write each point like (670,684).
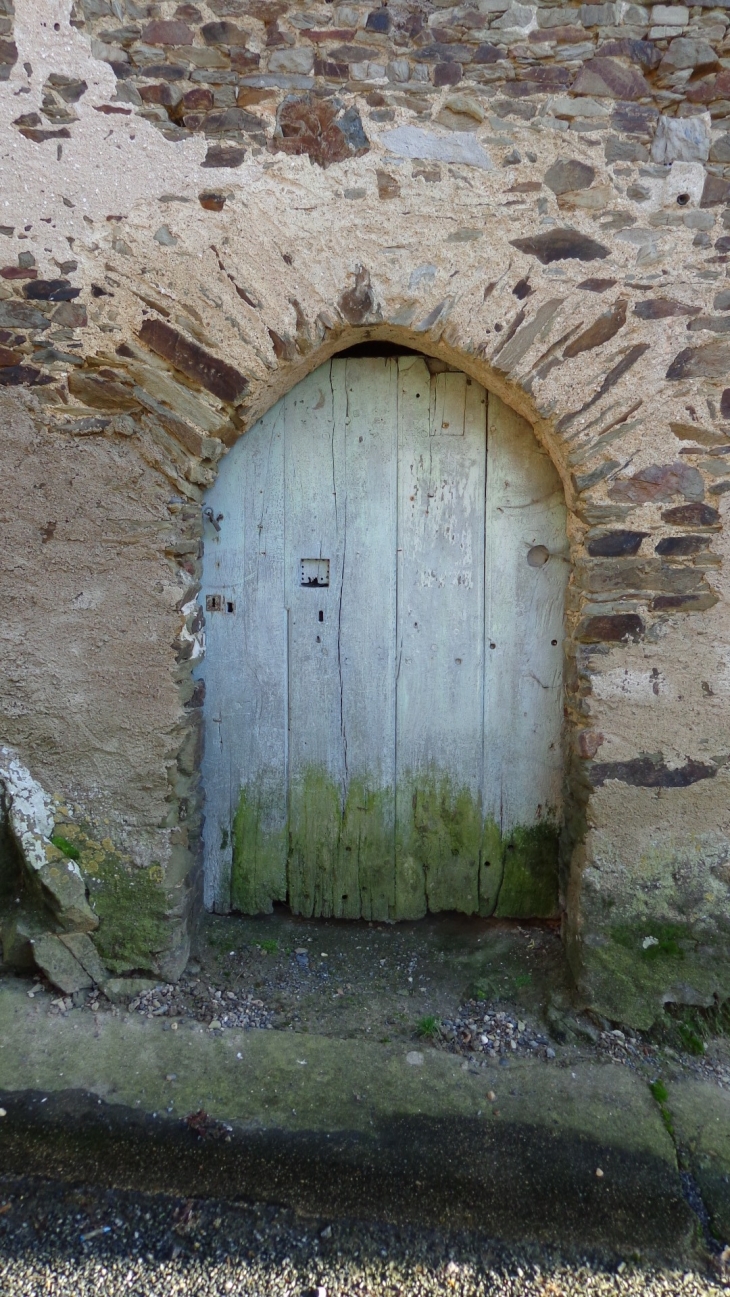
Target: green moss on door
(375,855)
(530,872)
(439,838)
(258,842)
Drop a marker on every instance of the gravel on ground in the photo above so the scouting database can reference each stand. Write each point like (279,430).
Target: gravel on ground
(70,1241)
(479,988)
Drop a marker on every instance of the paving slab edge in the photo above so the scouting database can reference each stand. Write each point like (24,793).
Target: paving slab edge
(342,1128)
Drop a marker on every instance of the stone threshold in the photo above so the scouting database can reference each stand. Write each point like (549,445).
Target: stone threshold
(580,1155)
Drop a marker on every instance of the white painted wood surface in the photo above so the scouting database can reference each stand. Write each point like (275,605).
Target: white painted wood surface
(245,666)
(367,629)
(440,631)
(524,622)
(358,718)
(314,452)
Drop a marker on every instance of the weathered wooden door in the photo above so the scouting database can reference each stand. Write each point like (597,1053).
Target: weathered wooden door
(384,606)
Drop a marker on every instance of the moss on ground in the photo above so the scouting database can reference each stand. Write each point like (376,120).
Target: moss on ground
(640,970)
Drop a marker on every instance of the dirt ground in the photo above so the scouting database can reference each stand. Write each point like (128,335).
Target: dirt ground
(479,987)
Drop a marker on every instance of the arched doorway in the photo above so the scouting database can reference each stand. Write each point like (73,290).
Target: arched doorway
(384,576)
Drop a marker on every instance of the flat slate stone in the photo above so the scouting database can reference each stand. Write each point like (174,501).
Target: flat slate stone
(711,323)
(602,330)
(221,155)
(651,772)
(596,285)
(561,245)
(167,32)
(701,436)
(607,629)
(60,965)
(684,602)
(691,515)
(568,174)
(659,482)
(23,376)
(306,124)
(21,315)
(662,308)
(684,52)
(83,949)
(223,33)
(413,142)
(716,191)
(636,51)
(710,361)
(212,373)
(616,544)
(50,290)
(680,546)
(607,77)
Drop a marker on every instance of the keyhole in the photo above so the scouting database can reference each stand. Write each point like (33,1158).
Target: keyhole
(321,615)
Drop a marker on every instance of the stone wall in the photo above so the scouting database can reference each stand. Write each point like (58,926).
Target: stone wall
(201,203)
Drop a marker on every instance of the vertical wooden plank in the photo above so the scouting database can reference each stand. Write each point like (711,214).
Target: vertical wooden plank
(448,405)
(260,839)
(245,676)
(314,485)
(367,630)
(440,640)
(524,626)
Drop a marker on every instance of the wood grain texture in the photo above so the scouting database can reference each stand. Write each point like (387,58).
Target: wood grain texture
(314,528)
(368,754)
(440,633)
(524,628)
(366,628)
(245,675)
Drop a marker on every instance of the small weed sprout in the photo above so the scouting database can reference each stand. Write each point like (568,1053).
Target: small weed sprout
(661,1094)
(692,1041)
(69,850)
(269,947)
(427,1027)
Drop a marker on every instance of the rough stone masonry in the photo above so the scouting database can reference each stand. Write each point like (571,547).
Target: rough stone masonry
(200,203)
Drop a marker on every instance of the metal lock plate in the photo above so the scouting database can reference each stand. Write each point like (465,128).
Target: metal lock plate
(218,603)
(315,572)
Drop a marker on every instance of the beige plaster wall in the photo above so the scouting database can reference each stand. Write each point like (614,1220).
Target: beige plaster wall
(115,448)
